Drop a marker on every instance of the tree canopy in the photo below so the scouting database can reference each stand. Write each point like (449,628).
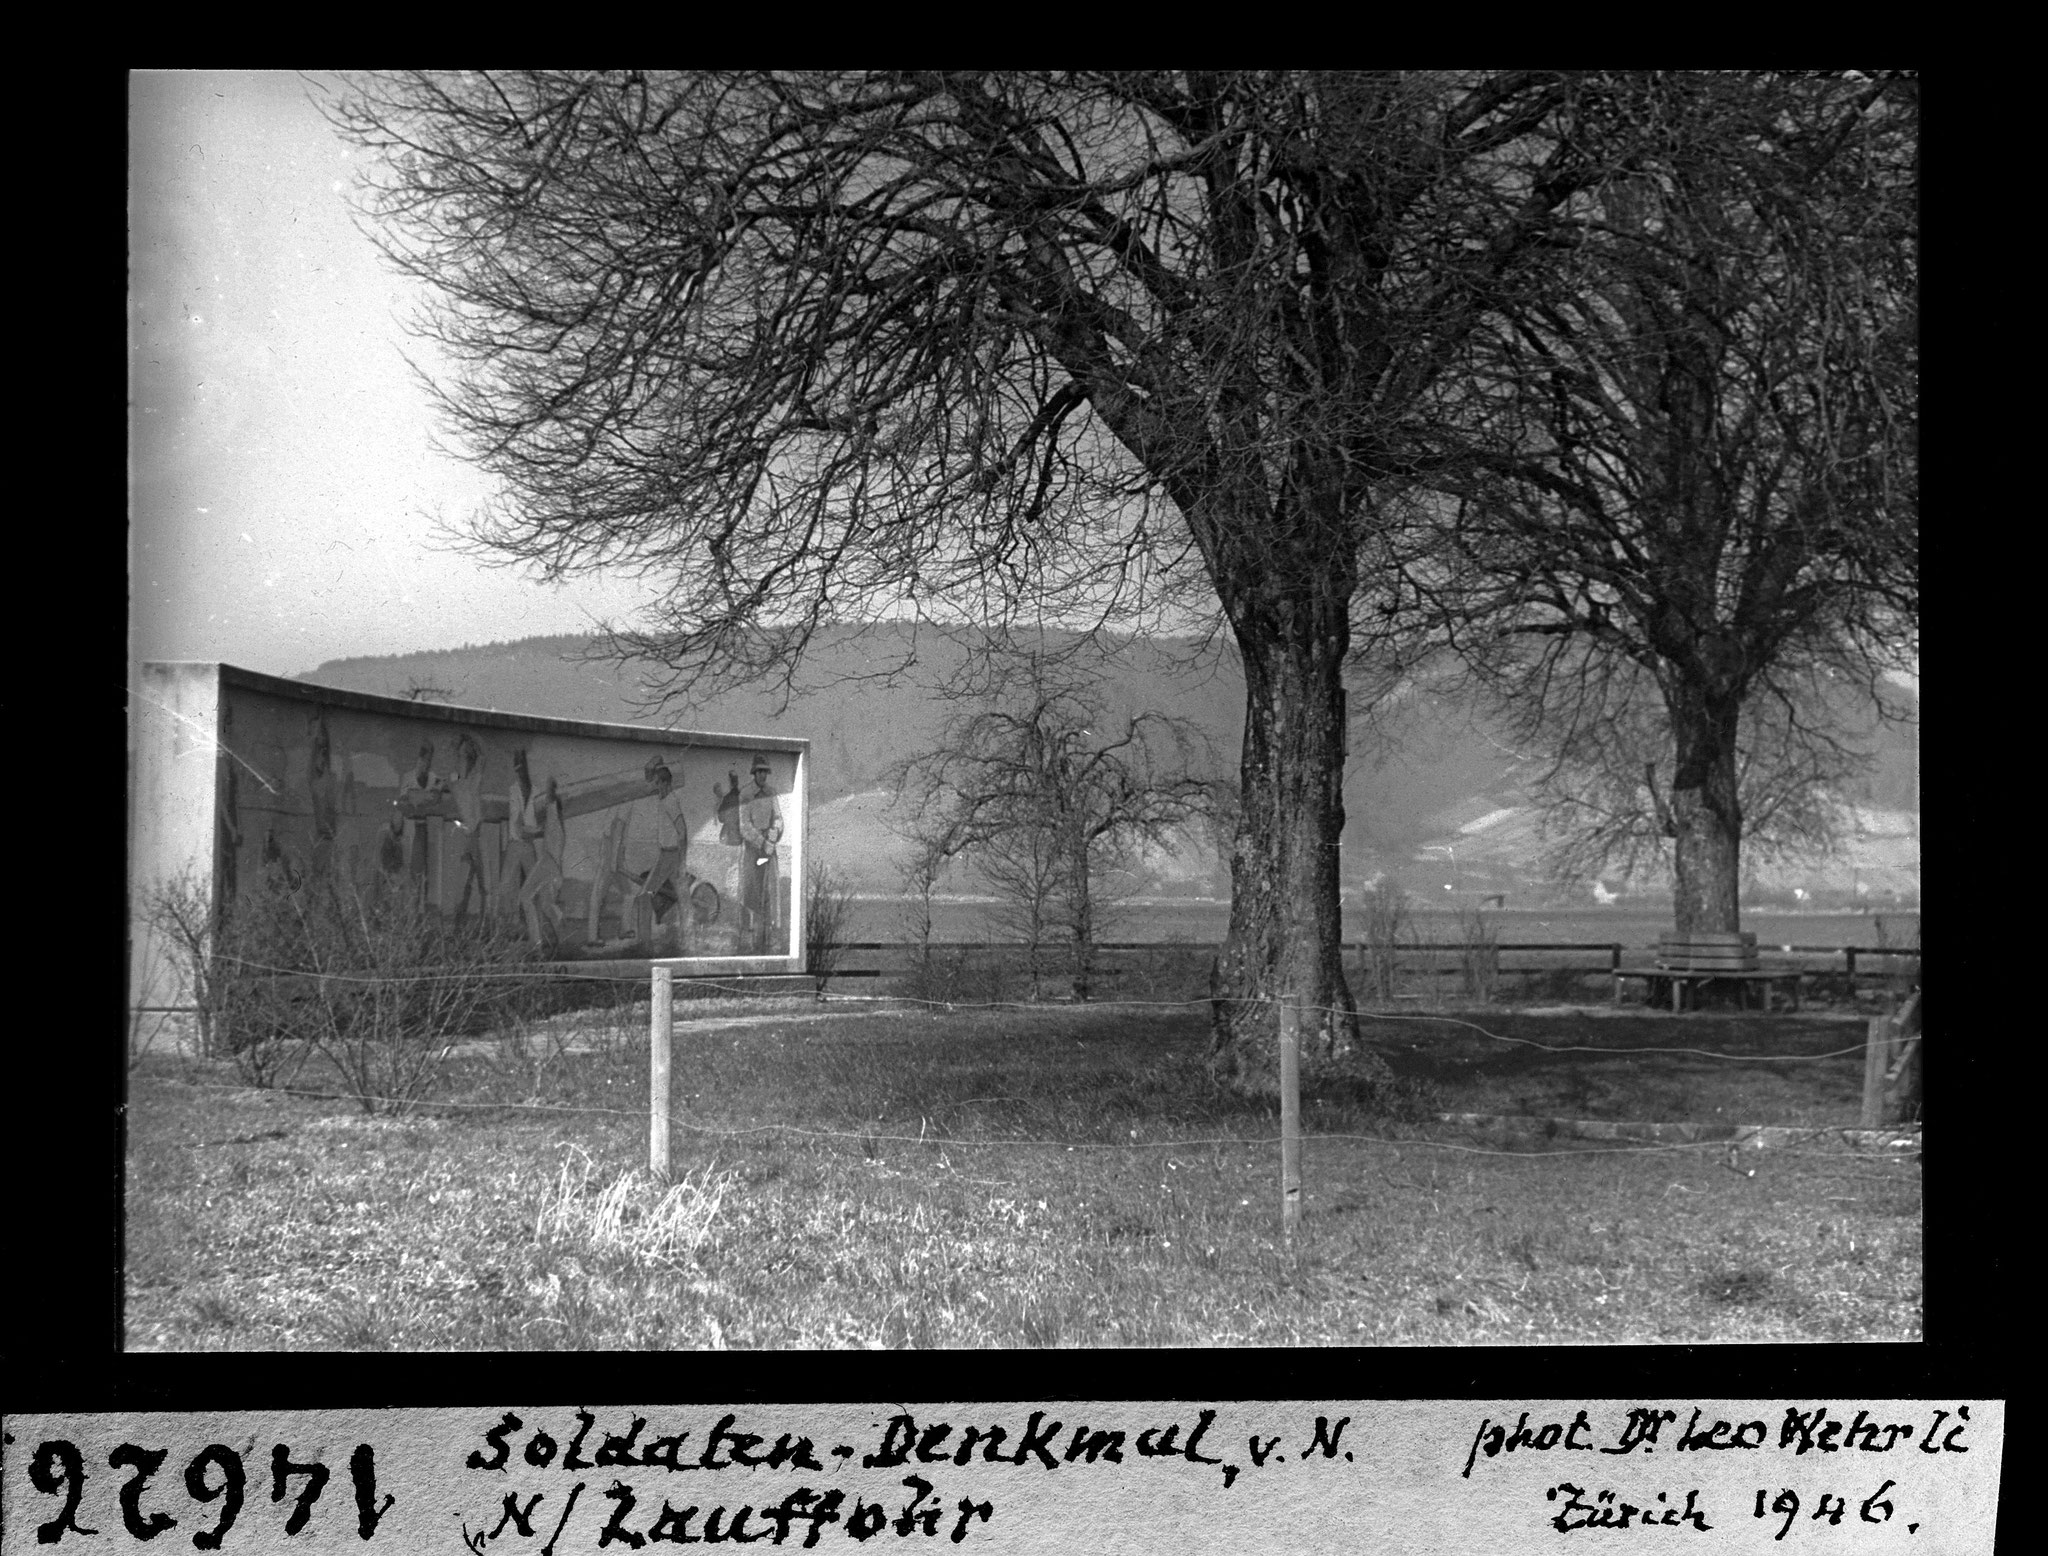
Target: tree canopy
(815,347)
(1681,514)
(1070,346)
(1129,348)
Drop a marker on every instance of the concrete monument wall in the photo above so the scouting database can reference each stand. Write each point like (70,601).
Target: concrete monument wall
(595,841)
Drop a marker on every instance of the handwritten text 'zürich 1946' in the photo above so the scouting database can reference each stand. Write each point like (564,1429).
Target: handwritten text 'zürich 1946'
(1813,1430)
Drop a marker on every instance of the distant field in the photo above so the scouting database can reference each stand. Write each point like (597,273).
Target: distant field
(878,918)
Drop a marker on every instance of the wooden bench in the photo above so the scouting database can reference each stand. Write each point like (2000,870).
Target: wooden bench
(1710,956)
(1765,979)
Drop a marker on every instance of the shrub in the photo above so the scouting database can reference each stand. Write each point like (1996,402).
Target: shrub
(236,1014)
(1478,954)
(376,982)
(1426,953)
(828,913)
(954,976)
(1386,918)
(1902,973)
(1555,985)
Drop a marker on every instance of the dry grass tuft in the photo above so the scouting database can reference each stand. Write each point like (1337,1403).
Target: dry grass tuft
(631,1215)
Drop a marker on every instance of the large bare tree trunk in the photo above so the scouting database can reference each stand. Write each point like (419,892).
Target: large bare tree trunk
(1706,817)
(1285,932)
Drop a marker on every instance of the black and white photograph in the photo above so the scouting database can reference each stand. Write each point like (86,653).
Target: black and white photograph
(1007,710)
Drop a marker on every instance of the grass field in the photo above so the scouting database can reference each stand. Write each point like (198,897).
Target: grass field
(1042,1177)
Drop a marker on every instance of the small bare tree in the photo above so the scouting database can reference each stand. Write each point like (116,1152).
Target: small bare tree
(1386,921)
(1046,795)
(1027,867)
(934,842)
(1478,954)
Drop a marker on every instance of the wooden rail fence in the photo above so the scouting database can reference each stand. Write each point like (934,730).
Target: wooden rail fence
(1430,958)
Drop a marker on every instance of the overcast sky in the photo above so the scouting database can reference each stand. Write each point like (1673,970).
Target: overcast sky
(283,479)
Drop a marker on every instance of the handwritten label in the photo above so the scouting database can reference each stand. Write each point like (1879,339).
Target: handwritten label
(1878,1447)
(1022,1476)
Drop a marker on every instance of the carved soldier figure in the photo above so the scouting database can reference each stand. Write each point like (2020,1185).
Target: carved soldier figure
(673,842)
(760,822)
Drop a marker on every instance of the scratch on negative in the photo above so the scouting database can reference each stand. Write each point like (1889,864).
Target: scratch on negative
(209,739)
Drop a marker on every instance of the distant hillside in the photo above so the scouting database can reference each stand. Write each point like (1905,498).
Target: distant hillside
(1433,798)
(858,723)
(859,835)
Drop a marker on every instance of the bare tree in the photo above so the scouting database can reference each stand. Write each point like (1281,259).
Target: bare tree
(828,914)
(920,876)
(1685,520)
(1140,348)
(1046,796)
(932,845)
(1026,865)
(1606,809)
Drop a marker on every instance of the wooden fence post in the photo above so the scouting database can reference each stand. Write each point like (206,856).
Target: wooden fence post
(1901,1052)
(1290,1116)
(1877,1058)
(660,1037)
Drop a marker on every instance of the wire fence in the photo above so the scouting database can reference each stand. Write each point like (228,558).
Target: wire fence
(867,1137)
(1431,960)
(713,985)
(414,1086)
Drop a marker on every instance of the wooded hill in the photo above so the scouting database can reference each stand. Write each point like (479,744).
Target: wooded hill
(1429,784)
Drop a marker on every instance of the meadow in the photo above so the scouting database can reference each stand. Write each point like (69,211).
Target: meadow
(866,1174)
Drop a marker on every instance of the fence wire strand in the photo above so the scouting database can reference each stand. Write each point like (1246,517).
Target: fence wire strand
(725,987)
(873,1137)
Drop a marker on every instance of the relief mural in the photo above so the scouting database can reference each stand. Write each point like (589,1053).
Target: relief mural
(685,852)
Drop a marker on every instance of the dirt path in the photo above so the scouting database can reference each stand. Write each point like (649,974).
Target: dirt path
(585,1041)
(714,1023)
